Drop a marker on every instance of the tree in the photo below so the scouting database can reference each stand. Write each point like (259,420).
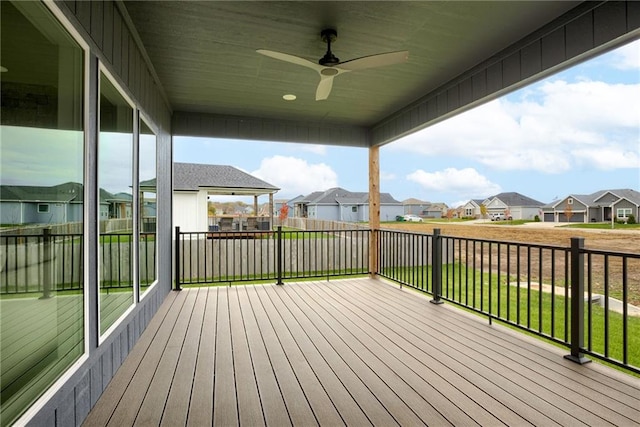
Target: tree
(483,211)
(450,213)
(284,212)
(568,211)
(211,209)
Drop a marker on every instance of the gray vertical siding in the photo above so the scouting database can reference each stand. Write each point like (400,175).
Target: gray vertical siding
(564,42)
(111,42)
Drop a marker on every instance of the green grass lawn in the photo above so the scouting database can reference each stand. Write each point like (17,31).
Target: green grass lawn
(530,308)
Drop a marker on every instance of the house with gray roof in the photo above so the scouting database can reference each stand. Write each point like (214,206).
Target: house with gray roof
(30,204)
(472,209)
(56,204)
(512,204)
(193,183)
(594,207)
(338,204)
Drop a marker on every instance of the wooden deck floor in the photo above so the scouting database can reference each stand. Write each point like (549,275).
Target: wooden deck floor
(354,352)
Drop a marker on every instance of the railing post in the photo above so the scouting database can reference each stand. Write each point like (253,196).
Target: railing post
(279,256)
(577,302)
(177,251)
(436,266)
(47,263)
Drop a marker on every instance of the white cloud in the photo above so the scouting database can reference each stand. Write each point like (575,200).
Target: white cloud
(545,130)
(627,57)
(387,176)
(463,183)
(296,176)
(320,150)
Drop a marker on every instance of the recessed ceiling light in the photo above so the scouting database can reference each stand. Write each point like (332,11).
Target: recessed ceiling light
(289,97)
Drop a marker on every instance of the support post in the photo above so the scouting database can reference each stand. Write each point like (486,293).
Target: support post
(436,266)
(177,253)
(279,256)
(374,210)
(577,302)
(47,264)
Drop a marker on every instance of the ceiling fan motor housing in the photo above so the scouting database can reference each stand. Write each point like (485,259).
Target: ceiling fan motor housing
(328,36)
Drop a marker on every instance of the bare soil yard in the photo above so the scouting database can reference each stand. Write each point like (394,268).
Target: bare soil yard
(610,240)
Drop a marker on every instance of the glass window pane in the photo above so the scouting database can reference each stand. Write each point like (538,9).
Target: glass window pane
(147,199)
(41,204)
(115,183)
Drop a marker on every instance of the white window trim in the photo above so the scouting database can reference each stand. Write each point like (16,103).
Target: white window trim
(39,404)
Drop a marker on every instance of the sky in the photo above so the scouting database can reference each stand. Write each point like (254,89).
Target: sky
(576,132)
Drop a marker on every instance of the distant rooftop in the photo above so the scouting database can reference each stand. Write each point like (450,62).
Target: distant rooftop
(218,179)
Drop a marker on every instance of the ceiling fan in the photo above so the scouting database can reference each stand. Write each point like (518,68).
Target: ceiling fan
(329,66)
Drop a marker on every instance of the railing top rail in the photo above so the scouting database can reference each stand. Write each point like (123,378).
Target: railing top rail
(611,253)
(510,242)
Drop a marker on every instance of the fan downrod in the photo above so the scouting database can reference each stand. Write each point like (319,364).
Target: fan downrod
(328,36)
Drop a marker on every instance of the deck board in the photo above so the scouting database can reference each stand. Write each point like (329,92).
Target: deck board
(349,352)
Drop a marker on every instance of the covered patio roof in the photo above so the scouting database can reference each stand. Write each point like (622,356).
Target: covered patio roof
(203,55)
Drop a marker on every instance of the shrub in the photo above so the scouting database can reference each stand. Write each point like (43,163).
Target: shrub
(536,218)
(631,219)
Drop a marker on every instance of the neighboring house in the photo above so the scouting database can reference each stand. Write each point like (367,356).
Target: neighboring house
(291,203)
(193,183)
(435,210)
(424,209)
(595,207)
(472,209)
(338,204)
(27,204)
(414,206)
(513,205)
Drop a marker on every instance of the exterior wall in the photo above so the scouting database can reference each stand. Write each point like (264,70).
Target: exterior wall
(625,204)
(388,212)
(325,212)
(529,213)
(471,210)
(104,27)
(10,213)
(188,211)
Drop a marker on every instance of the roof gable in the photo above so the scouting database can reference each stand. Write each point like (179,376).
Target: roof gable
(193,177)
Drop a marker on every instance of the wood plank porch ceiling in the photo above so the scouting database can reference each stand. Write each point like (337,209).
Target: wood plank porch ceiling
(354,352)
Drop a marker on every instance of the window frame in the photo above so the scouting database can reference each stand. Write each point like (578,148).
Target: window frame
(103,70)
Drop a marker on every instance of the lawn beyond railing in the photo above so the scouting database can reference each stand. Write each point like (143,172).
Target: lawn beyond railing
(250,256)
(573,296)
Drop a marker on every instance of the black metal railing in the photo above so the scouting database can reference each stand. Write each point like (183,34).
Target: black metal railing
(565,294)
(47,262)
(41,263)
(253,256)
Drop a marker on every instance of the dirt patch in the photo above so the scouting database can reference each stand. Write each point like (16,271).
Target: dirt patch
(607,240)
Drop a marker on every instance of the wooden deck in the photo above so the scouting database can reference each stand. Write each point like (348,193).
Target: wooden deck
(354,352)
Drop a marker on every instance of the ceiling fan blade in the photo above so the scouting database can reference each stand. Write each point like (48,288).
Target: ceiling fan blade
(378,60)
(290,58)
(324,87)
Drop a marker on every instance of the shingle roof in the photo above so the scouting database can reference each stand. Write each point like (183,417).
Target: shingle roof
(342,196)
(516,199)
(193,176)
(67,192)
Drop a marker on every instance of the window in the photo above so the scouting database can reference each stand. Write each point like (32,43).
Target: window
(115,184)
(570,201)
(41,125)
(354,209)
(623,212)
